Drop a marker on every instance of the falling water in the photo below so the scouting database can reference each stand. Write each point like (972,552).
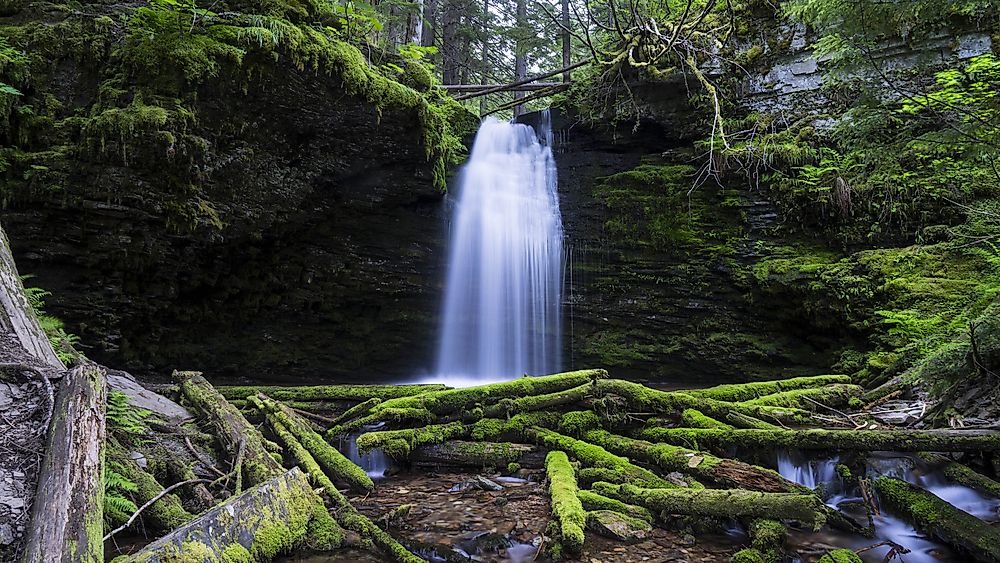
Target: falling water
(502,296)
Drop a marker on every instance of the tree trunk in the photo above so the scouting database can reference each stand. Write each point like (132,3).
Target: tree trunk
(428,24)
(67,516)
(566,45)
(938,519)
(721,503)
(818,439)
(450,50)
(17,317)
(271,518)
(520,52)
(477,455)
(240,439)
(328,392)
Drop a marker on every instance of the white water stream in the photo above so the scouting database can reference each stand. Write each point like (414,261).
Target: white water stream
(503,294)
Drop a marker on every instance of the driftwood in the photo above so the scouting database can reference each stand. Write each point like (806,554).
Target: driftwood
(67,513)
(938,519)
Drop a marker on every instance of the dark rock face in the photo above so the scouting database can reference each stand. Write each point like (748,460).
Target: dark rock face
(677,310)
(327,265)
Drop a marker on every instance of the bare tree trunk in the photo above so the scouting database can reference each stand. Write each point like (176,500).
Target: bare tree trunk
(415,23)
(484,61)
(17,317)
(565,40)
(68,512)
(450,46)
(520,57)
(428,27)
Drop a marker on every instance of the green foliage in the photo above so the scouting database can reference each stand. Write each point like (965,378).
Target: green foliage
(62,342)
(125,421)
(118,506)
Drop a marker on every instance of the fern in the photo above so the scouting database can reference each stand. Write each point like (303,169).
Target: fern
(62,342)
(117,507)
(126,421)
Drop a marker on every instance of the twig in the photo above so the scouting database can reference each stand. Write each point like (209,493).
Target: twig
(207,463)
(314,416)
(150,502)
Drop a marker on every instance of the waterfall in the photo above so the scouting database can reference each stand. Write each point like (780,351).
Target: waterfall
(502,313)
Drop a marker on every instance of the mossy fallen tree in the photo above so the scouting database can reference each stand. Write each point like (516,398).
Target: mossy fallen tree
(328,392)
(167,512)
(336,466)
(264,521)
(721,503)
(963,474)
(811,399)
(462,453)
(822,439)
(941,520)
(566,506)
(742,392)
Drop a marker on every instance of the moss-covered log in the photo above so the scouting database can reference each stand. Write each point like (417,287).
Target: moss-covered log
(67,518)
(398,444)
(940,520)
(743,421)
(820,439)
(740,392)
(693,418)
(594,501)
(166,513)
(510,407)
(461,453)
(836,396)
(337,467)
(328,392)
(963,474)
(644,399)
(357,411)
(346,515)
(470,401)
(272,518)
(703,466)
(238,438)
(721,503)
(566,506)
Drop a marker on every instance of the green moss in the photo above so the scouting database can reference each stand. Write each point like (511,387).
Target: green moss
(513,468)
(695,419)
(593,501)
(835,395)
(748,555)
(399,443)
(840,556)
(566,505)
(329,392)
(596,456)
(575,423)
(742,392)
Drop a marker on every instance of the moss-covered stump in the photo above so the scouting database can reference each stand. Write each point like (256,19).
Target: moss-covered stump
(238,438)
(328,392)
(255,526)
(721,503)
(566,506)
(338,467)
(820,439)
(933,516)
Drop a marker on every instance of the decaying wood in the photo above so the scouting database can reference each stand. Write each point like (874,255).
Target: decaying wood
(67,516)
(939,519)
(460,453)
(231,429)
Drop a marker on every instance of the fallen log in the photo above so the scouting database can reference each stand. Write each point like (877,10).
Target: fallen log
(510,407)
(357,411)
(566,506)
(724,472)
(271,518)
(693,418)
(742,421)
(167,512)
(346,515)
(67,515)
(820,439)
(963,474)
(328,392)
(941,520)
(398,444)
(237,437)
(460,453)
(740,392)
(721,503)
(834,396)
(334,464)
(594,501)
(644,399)
(468,402)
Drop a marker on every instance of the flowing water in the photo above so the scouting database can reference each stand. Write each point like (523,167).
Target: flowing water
(822,473)
(502,316)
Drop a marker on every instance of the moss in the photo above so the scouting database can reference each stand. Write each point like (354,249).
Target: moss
(741,392)
(566,505)
(236,553)
(695,419)
(768,538)
(329,458)
(329,392)
(596,456)
(748,555)
(166,513)
(575,423)
(513,468)
(844,472)
(593,501)
(836,395)
(840,556)
(399,443)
